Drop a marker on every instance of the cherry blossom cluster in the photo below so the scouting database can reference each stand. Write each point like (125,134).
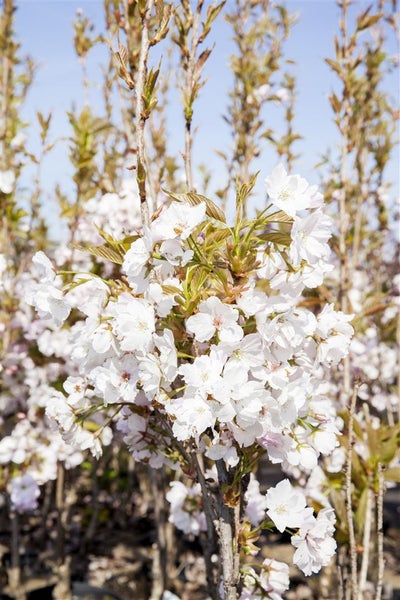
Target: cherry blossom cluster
(201,341)
(36,352)
(34,357)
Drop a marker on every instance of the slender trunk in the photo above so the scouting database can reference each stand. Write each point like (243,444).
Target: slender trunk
(159,575)
(228,533)
(210,543)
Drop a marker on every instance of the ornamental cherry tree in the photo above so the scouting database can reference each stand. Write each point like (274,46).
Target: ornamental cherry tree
(200,354)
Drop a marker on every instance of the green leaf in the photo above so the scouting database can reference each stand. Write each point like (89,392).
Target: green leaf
(334,65)
(279,217)
(366,21)
(171,290)
(192,198)
(105,252)
(276,237)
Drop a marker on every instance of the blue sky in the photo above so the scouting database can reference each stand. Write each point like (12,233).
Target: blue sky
(45,30)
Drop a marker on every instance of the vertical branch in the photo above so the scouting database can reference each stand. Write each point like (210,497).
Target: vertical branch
(188,38)
(189,85)
(6,73)
(140,118)
(259,31)
(366,545)
(343,215)
(379,528)
(349,503)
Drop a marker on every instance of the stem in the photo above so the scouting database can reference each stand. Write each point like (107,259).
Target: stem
(349,504)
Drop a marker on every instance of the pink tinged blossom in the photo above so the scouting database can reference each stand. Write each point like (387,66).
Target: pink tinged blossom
(24,493)
(133,323)
(215,316)
(275,445)
(177,221)
(286,506)
(314,542)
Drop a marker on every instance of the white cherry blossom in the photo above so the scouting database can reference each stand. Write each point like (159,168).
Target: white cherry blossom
(215,316)
(286,506)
